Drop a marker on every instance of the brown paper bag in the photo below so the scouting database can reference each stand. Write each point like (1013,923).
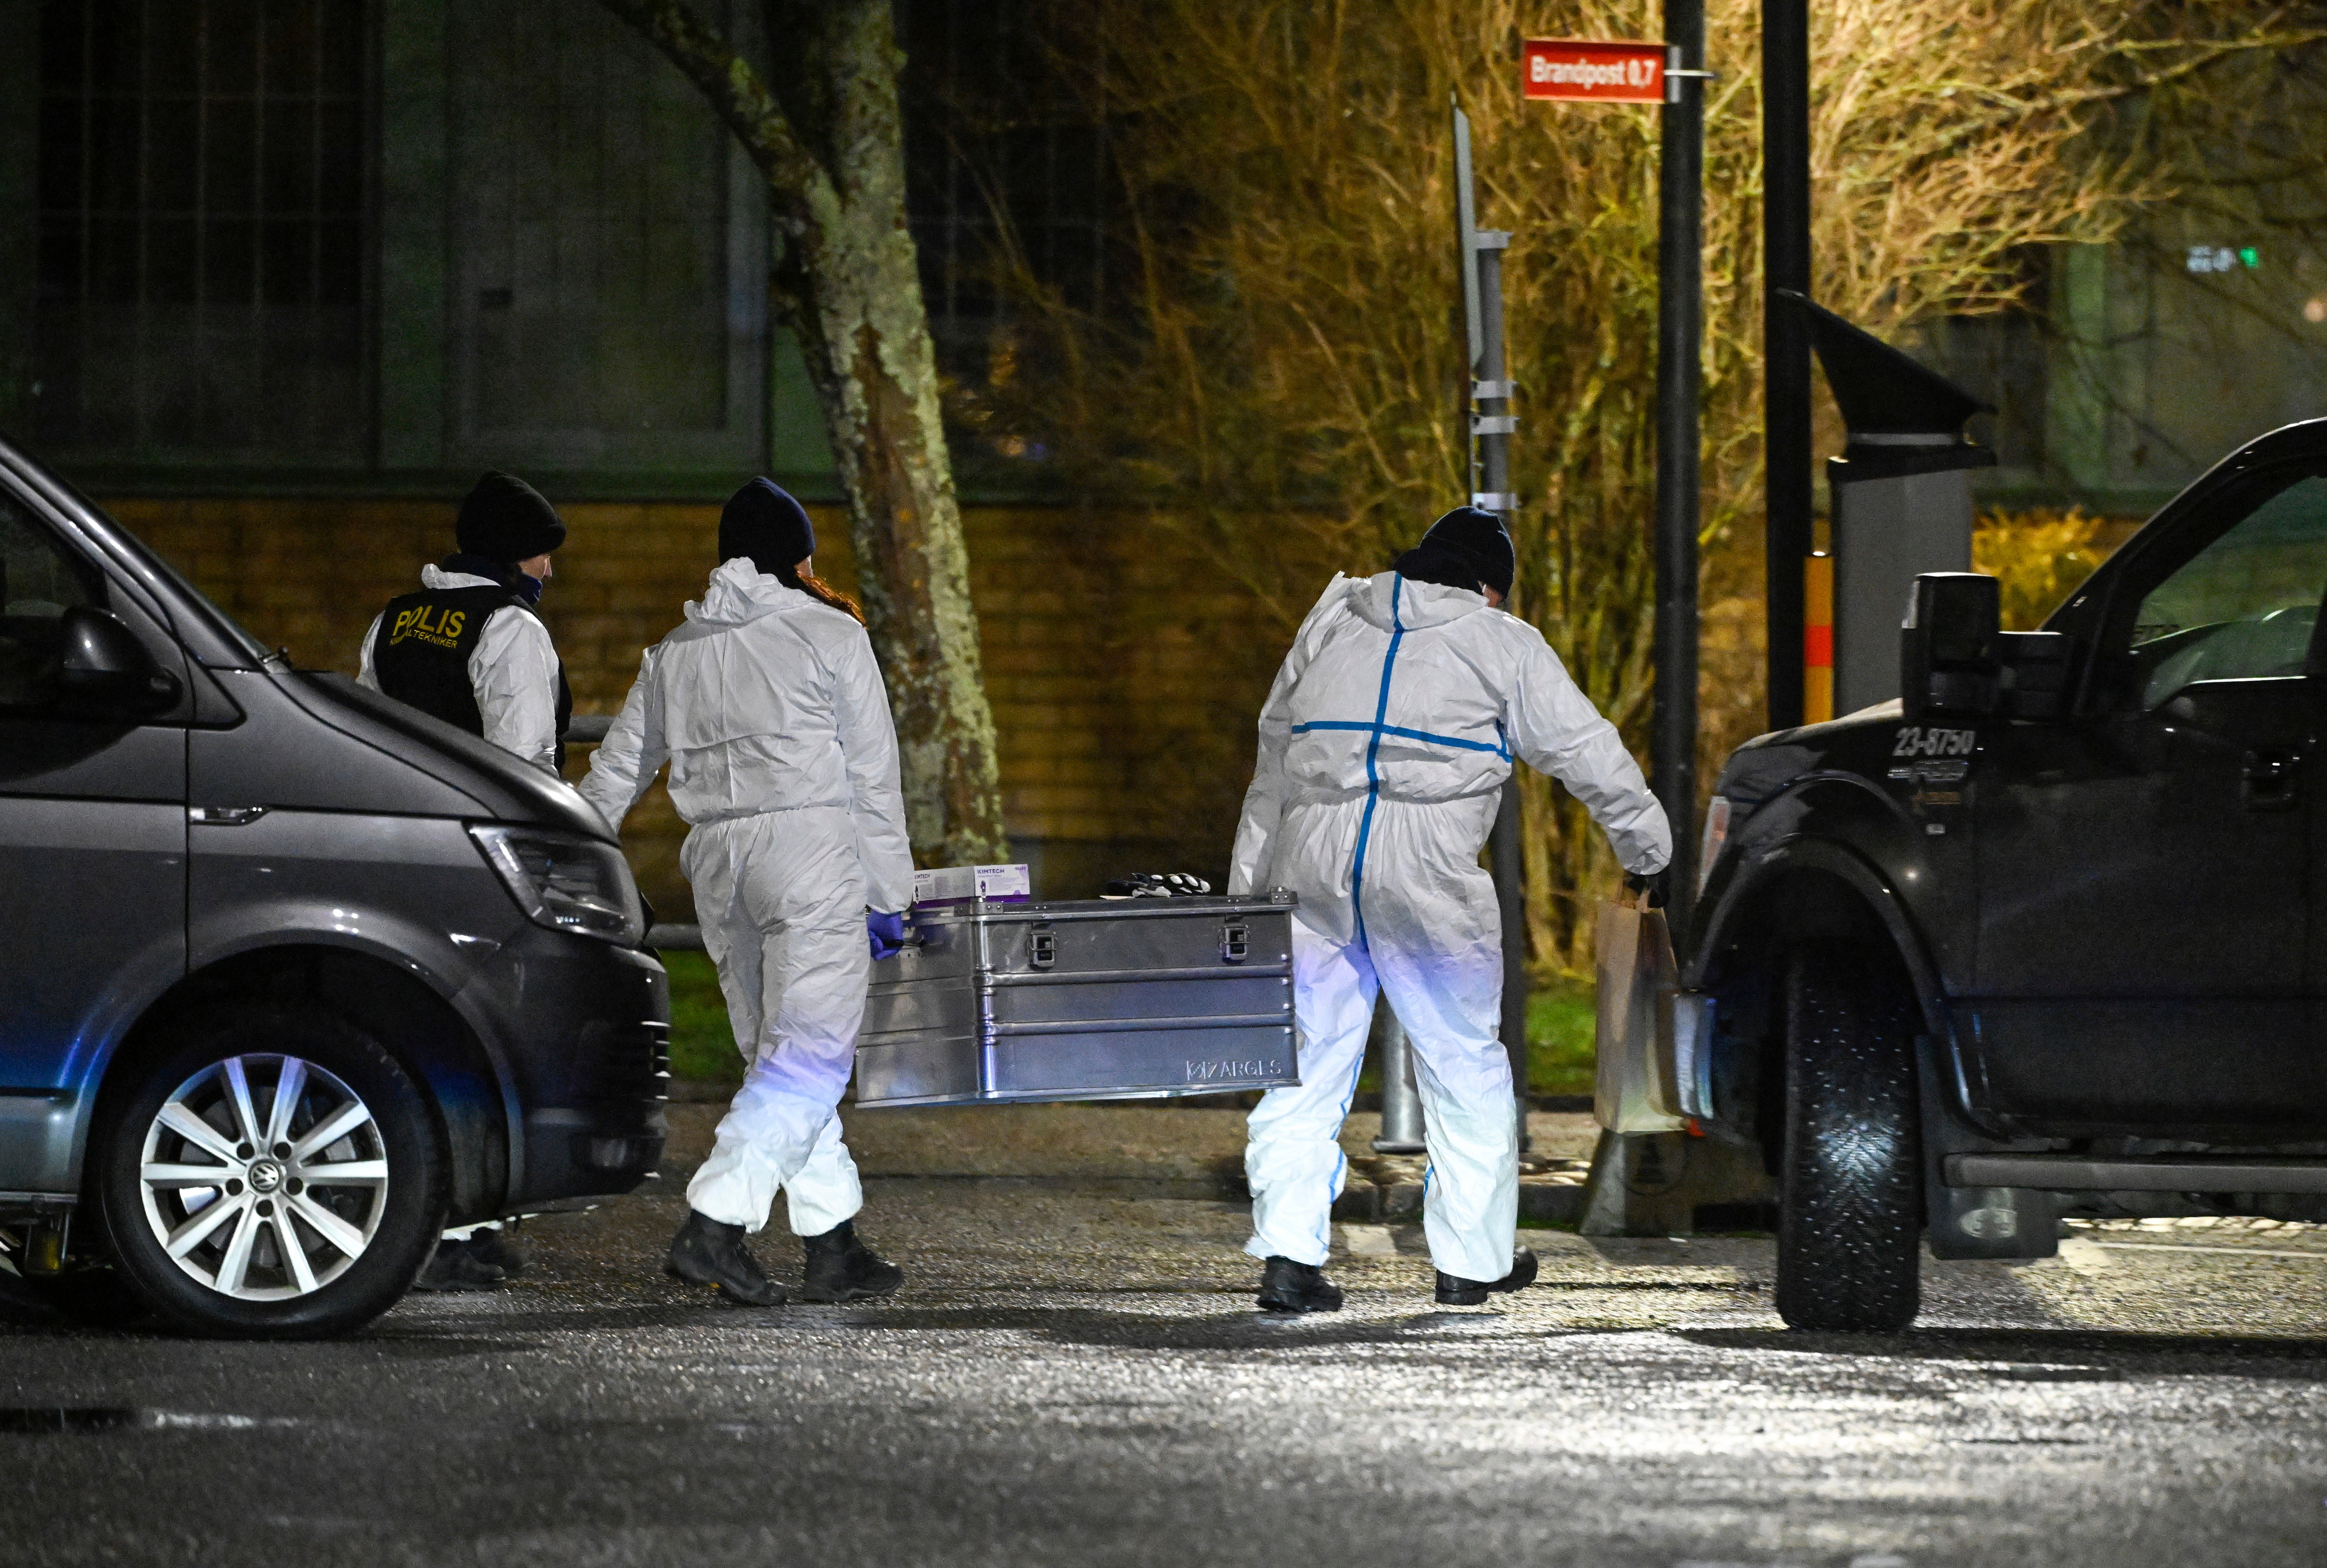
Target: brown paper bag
(1633,1092)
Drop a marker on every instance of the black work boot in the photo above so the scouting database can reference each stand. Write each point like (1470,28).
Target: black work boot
(841,1268)
(709,1253)
(1454,1291)
(1286,1287)
(494,1249)
(454,1267)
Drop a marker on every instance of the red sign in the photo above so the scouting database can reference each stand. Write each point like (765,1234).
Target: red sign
(1571,70)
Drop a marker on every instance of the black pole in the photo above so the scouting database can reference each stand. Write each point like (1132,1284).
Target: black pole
(1680,244)
(1785,338)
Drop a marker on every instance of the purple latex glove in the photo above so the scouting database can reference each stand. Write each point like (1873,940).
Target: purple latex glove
(886,932)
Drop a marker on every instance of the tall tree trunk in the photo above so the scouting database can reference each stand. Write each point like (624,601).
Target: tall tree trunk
(848,287)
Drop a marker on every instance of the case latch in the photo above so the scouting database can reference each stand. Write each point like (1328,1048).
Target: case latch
(1042,947)
(1236,942)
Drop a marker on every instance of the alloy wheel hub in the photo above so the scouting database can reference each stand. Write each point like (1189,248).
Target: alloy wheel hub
(263,1177)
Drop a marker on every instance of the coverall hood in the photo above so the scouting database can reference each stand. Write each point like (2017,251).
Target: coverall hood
(1420,605)
(740,592)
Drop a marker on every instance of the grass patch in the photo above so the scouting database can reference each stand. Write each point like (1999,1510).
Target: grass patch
(1562,1023)
(702,1044)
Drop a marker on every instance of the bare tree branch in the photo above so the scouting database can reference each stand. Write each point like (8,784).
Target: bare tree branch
(741,99)
(2209,55)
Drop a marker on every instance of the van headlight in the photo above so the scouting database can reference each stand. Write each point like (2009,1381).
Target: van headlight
(568,884)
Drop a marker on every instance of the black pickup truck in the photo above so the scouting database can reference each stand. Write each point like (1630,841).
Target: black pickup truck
(2045,936)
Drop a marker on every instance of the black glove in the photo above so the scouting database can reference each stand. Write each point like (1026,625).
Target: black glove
(1155,884)
(1653,884)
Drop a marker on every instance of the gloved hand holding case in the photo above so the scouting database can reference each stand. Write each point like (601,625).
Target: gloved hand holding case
(886,931)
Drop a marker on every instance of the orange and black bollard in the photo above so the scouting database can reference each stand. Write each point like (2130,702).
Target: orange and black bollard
(1817,637)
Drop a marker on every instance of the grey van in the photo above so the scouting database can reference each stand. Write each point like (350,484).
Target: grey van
(292,977)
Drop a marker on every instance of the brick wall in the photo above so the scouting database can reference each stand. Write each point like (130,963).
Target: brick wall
(1124,669)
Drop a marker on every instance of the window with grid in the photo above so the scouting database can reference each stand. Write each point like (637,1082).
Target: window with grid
(587,192)
(201,194)
(989,123)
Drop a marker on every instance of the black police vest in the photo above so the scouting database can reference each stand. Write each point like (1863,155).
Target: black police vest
(420,654)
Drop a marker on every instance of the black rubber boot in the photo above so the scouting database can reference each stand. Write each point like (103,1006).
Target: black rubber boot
(706,1252)
(454,1267)
(841,1268)
(1453,1291)
(1286,1287)
(495,1249)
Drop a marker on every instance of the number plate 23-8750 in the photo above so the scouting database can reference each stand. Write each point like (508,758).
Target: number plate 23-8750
(1915,741)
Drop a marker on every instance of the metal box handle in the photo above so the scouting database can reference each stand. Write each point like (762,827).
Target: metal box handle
(1236,942)
(1042,947)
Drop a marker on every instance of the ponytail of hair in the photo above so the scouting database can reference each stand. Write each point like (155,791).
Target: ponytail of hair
(816,588)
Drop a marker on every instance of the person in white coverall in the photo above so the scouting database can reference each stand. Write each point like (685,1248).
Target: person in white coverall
(1384,747)
(471,648)
(769,707)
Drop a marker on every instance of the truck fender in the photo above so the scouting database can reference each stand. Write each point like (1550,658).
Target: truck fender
(1823,856)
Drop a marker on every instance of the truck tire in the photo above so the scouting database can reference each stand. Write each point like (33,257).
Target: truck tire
(271,1173)
(1850,1227)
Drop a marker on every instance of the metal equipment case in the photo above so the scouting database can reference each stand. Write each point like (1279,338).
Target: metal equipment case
(1085,1000)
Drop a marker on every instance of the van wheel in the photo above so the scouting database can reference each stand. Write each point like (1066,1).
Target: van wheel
(1850,1232)
(271,1173)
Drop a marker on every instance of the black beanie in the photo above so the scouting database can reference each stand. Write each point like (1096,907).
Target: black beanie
(1479,541)
(763,521)
(506,519)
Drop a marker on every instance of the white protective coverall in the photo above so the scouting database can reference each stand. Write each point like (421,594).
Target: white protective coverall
(513,669)
(783,762)
(1383,751)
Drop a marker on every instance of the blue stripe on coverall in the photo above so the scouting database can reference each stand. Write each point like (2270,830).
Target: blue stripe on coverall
(1357,871)
(1495,746)
(1373,774)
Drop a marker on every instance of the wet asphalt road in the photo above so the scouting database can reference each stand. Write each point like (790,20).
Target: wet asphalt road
(1075,1377)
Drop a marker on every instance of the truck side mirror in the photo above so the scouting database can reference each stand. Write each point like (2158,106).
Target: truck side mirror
(104,665)
(1948,646)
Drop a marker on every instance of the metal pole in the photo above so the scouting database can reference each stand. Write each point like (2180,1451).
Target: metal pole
(1785,337)
(1491,423)
(1495,424)
(1680,244)
(1401,1123)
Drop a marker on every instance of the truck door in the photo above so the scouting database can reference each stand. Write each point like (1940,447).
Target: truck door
(92,849)
(2146,875)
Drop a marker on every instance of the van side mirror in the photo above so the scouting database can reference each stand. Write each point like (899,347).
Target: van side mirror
(102,663)
(1949,659)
